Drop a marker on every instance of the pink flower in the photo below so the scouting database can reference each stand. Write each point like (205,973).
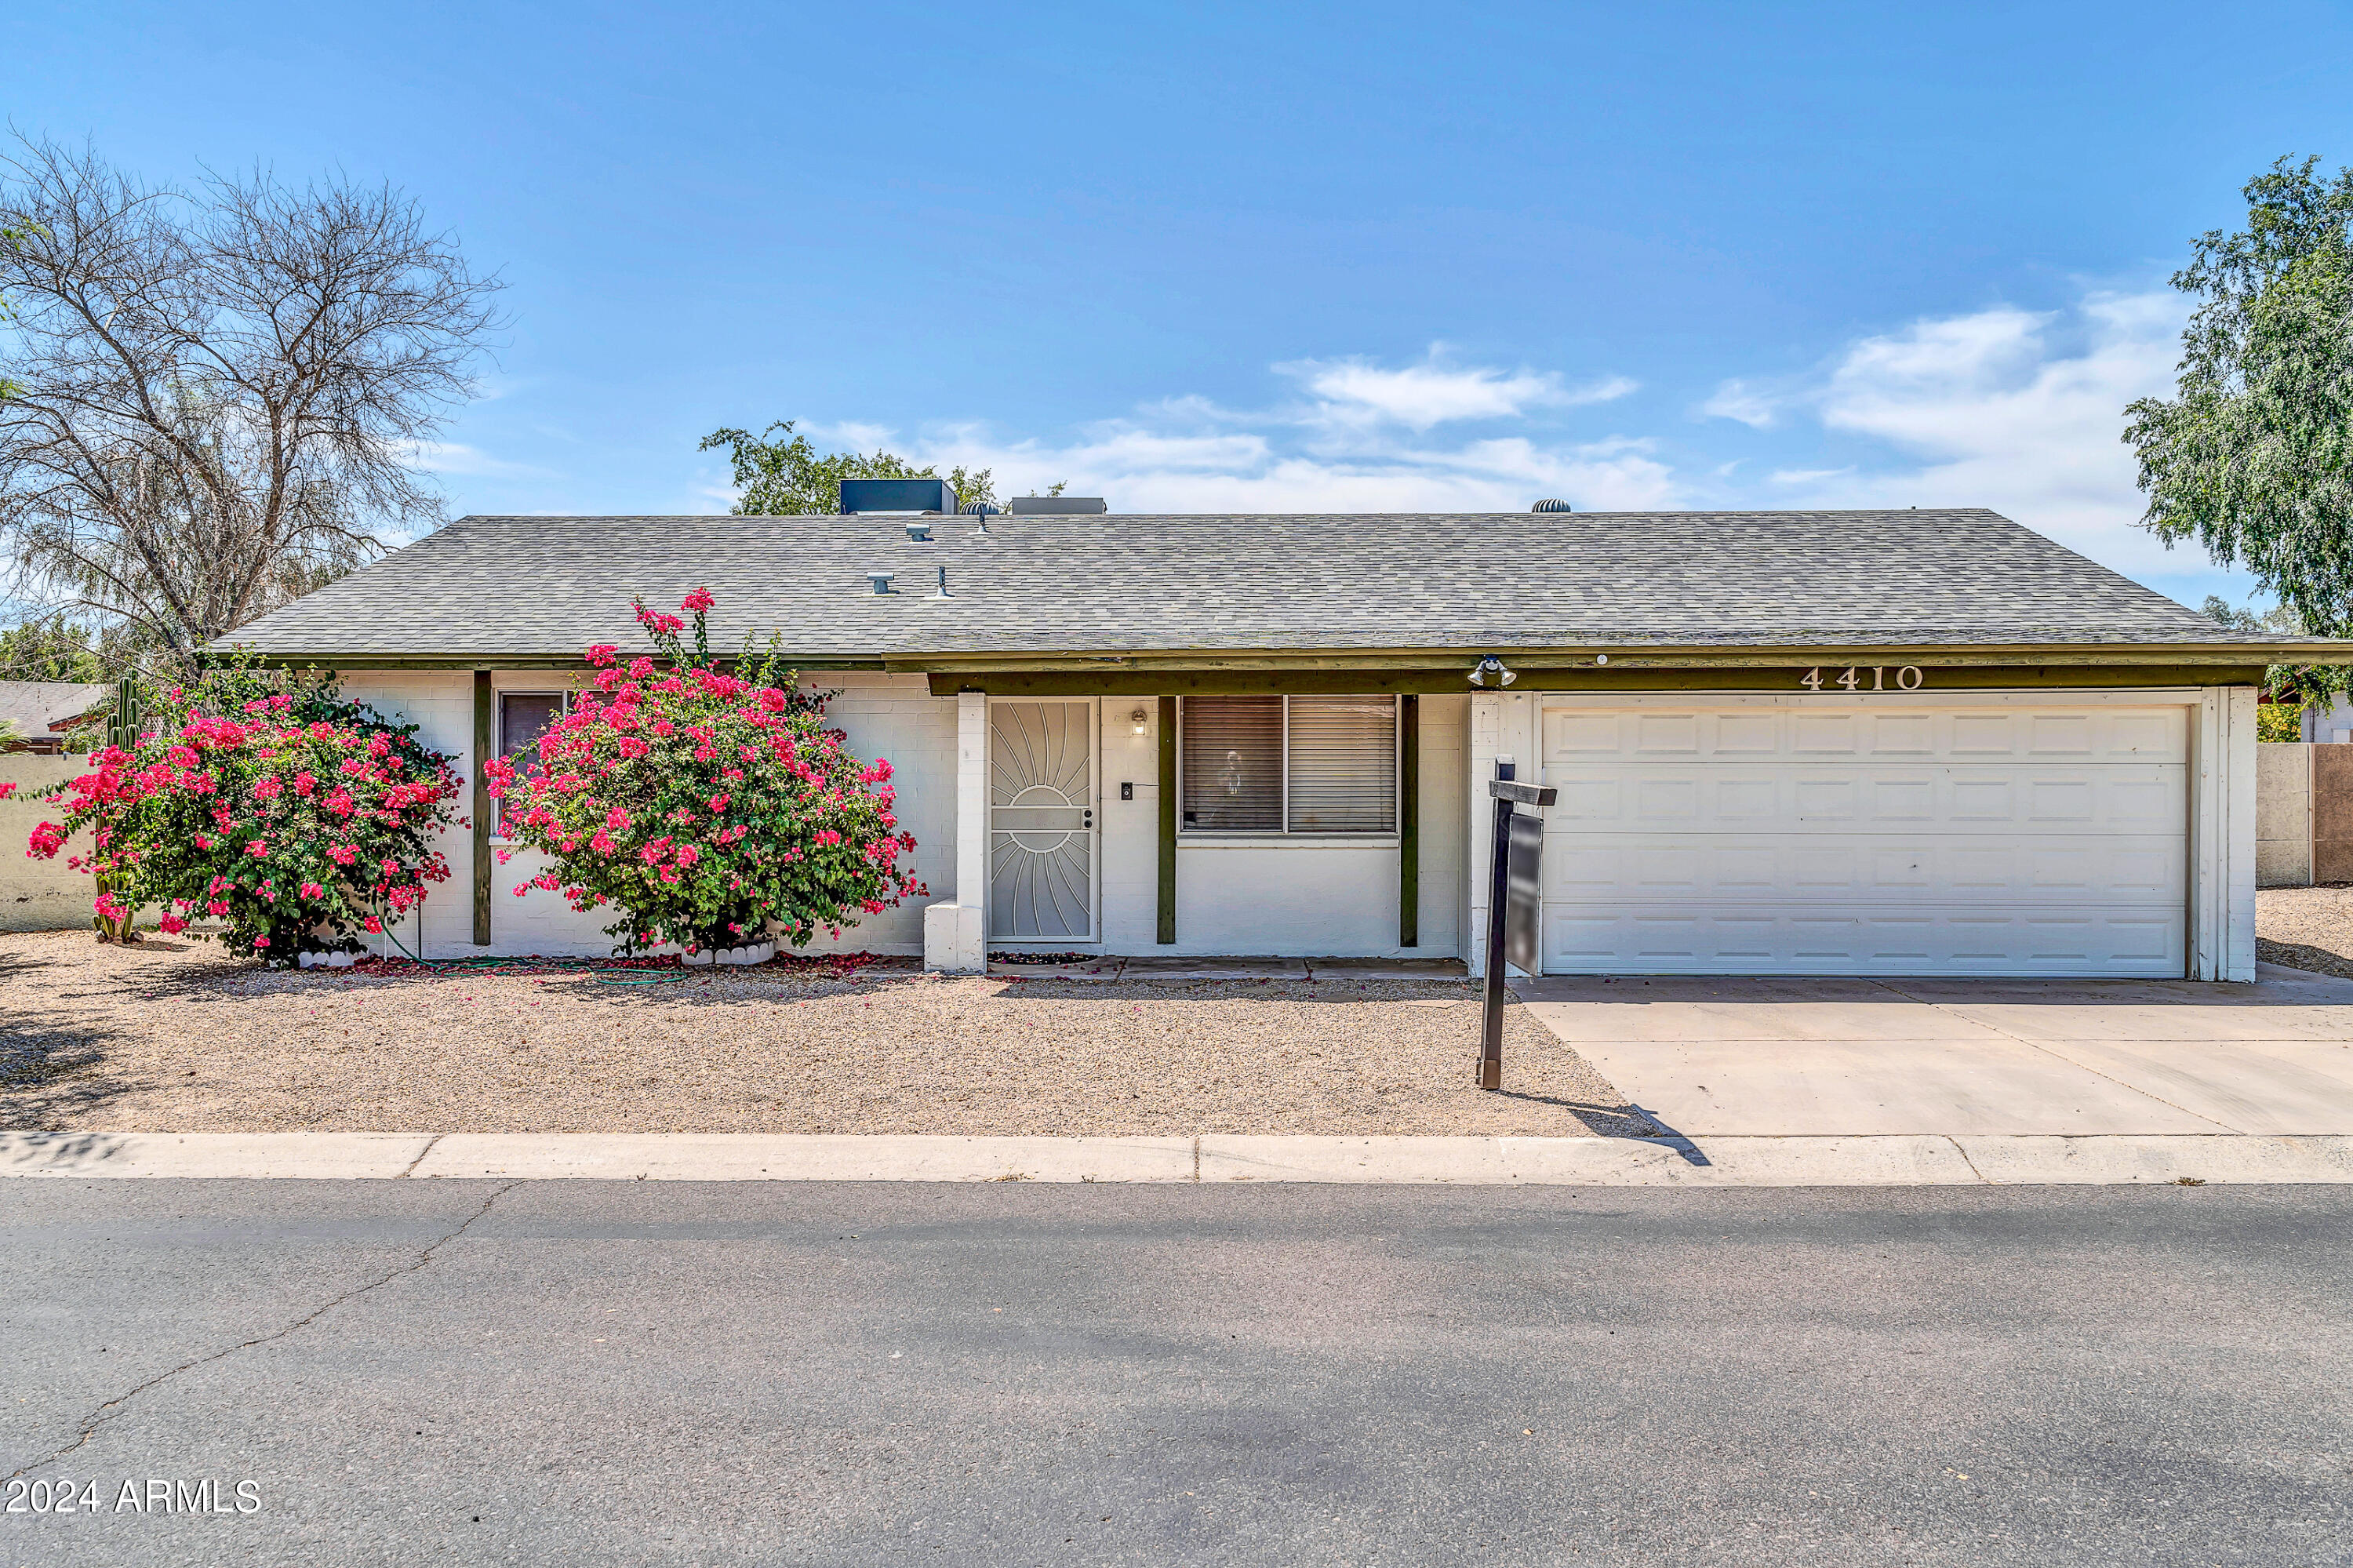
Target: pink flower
(257,848)
(216,906)
(698,601)
(173,924)
(687,855)
(312,890)
(261,941)
(372,924)
(602,654)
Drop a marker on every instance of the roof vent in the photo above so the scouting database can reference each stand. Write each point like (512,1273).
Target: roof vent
(881,580)
(1552,506)
(979,508)
(896,496)
(921,533)
(1055,506)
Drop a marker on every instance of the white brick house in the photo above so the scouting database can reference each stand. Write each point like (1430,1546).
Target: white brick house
(1899,743)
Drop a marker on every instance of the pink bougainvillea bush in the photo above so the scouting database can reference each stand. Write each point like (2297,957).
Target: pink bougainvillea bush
(296,818)
(703,806)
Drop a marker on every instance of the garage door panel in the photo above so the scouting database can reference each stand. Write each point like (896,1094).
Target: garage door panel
(1834,798)
(2056,940)
(2092,734)
(1755,867)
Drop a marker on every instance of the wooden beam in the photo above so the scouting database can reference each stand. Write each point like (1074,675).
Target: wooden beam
(1246,682)
(484,728)
(1167,929)
(1410,823)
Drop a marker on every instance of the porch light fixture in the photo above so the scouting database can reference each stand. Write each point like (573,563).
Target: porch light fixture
(1491,665)
(1138,722)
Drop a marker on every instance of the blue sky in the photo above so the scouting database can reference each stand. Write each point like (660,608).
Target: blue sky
(1285,257)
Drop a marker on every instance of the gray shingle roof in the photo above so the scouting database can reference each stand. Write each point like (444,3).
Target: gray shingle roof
(549,586)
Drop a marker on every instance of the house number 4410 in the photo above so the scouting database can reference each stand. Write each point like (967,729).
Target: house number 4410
(1908,679)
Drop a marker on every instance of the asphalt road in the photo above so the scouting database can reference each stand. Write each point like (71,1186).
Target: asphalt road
(567,1373)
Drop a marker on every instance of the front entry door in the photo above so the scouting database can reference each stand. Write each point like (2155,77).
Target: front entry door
(1041,821)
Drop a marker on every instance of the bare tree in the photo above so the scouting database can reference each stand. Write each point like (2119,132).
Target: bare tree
(218,394)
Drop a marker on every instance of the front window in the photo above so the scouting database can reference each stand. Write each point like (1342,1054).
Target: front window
(1288,765)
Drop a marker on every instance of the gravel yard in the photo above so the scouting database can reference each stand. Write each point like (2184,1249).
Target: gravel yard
(2307,928)
(171,1036)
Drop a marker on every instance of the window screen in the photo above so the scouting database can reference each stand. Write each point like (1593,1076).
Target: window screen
(1234,765)
(1342,764)
(523,716)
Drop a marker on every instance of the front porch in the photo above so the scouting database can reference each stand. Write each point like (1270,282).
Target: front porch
(1312,827)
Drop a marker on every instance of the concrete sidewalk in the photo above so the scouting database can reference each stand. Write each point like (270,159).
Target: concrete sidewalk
(1802,1057)
(1894,1160)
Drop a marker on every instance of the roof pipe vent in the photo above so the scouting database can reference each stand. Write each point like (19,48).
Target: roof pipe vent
(921,533)
(881,580)
(1552,506)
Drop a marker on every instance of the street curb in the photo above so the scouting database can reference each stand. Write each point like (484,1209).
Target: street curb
(1880,1160)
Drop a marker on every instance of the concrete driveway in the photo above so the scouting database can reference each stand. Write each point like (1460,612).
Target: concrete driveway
(1800,1057)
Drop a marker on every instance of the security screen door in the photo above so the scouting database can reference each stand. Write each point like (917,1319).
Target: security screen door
(1041,821)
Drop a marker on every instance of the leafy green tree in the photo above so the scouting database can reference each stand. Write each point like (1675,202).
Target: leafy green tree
(51,649)
(790,478)
(2287,688)
(2253,457)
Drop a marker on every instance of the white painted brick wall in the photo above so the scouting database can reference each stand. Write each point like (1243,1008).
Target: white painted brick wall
(882,715)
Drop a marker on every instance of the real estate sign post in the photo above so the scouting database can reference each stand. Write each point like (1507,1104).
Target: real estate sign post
(1514,904)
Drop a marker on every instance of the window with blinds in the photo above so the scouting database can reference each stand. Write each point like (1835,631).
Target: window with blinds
(1232,754)
(1342,772)
(523,718)
(1300,765)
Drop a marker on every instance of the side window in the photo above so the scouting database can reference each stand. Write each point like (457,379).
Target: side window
(523,718)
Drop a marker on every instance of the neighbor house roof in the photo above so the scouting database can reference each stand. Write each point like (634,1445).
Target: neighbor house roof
(486,588)
(34,707)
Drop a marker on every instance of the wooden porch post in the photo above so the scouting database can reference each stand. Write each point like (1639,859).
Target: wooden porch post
(1410,823)
(483,730)
(1168,932)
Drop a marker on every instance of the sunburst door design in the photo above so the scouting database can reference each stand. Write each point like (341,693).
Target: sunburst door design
(1041,821)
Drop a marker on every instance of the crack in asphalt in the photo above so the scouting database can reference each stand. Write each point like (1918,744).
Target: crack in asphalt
(113,1407)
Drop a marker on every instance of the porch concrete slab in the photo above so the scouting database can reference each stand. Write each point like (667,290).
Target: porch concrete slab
(311,1155)
(1105,968)
(1158,967)
(1795,1087)
(2248,1085)
(786,1156)
(1389,968)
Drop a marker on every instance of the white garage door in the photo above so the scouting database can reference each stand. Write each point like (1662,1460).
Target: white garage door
(1791,836)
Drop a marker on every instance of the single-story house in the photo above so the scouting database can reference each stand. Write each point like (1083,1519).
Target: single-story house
(1895,742)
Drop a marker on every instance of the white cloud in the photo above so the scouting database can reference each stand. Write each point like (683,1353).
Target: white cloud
(2016,410)
(1355,391)
(465,461)
(1741,400)
(1362,444)
(849,433)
